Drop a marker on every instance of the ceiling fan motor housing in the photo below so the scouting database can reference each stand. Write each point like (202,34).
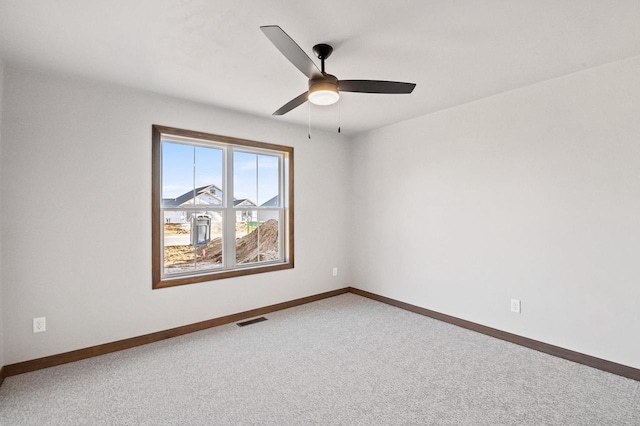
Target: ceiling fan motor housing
(326,82)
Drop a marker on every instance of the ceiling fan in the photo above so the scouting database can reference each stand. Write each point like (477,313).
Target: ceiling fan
(324,88)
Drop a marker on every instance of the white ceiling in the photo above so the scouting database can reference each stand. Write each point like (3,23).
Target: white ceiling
(214,52)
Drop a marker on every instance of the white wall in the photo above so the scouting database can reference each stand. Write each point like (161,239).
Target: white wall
(77,157)
(533,194)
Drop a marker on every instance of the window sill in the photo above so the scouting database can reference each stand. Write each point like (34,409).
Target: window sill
(213,276)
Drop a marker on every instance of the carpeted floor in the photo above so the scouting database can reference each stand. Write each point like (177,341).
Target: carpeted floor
(346,360)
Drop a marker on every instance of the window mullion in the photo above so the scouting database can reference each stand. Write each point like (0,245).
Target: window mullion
(229,220)
(282,205)
(195,213)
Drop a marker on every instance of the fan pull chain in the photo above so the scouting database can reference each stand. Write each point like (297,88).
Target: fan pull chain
(339,116)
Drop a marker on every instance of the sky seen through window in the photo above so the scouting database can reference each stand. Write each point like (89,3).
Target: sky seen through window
(186,167)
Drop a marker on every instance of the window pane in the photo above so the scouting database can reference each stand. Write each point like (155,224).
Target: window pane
(192,241)
(256,178)
(257,236)
(177,174)
(208,176)
(179,254)
(268,172)
(269,247)
(245,173)
(206,237)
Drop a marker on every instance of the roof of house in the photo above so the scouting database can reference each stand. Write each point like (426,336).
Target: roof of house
(175,202)
(189,195)
(243,201)
(274,202)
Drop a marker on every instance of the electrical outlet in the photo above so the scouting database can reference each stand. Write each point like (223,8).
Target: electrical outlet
(39,325)
(515,306)
(335,271)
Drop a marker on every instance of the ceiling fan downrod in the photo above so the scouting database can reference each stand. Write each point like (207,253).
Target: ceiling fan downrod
(322,51)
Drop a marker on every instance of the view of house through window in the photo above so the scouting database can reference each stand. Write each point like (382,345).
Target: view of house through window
(223,207)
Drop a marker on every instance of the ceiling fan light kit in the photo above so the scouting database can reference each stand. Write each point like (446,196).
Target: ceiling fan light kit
(324,89)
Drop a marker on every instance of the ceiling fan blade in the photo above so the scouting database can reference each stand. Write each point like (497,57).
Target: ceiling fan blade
(293,103)
(375,86)
(291,50)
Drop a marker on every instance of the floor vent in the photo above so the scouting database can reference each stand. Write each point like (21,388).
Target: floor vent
(253,321)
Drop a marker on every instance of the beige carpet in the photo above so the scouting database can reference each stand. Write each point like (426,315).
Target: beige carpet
(341,361)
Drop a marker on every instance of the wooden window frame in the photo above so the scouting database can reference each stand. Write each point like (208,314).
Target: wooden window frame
(158,281)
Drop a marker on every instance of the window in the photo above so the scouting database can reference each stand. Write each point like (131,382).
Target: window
(222,207)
